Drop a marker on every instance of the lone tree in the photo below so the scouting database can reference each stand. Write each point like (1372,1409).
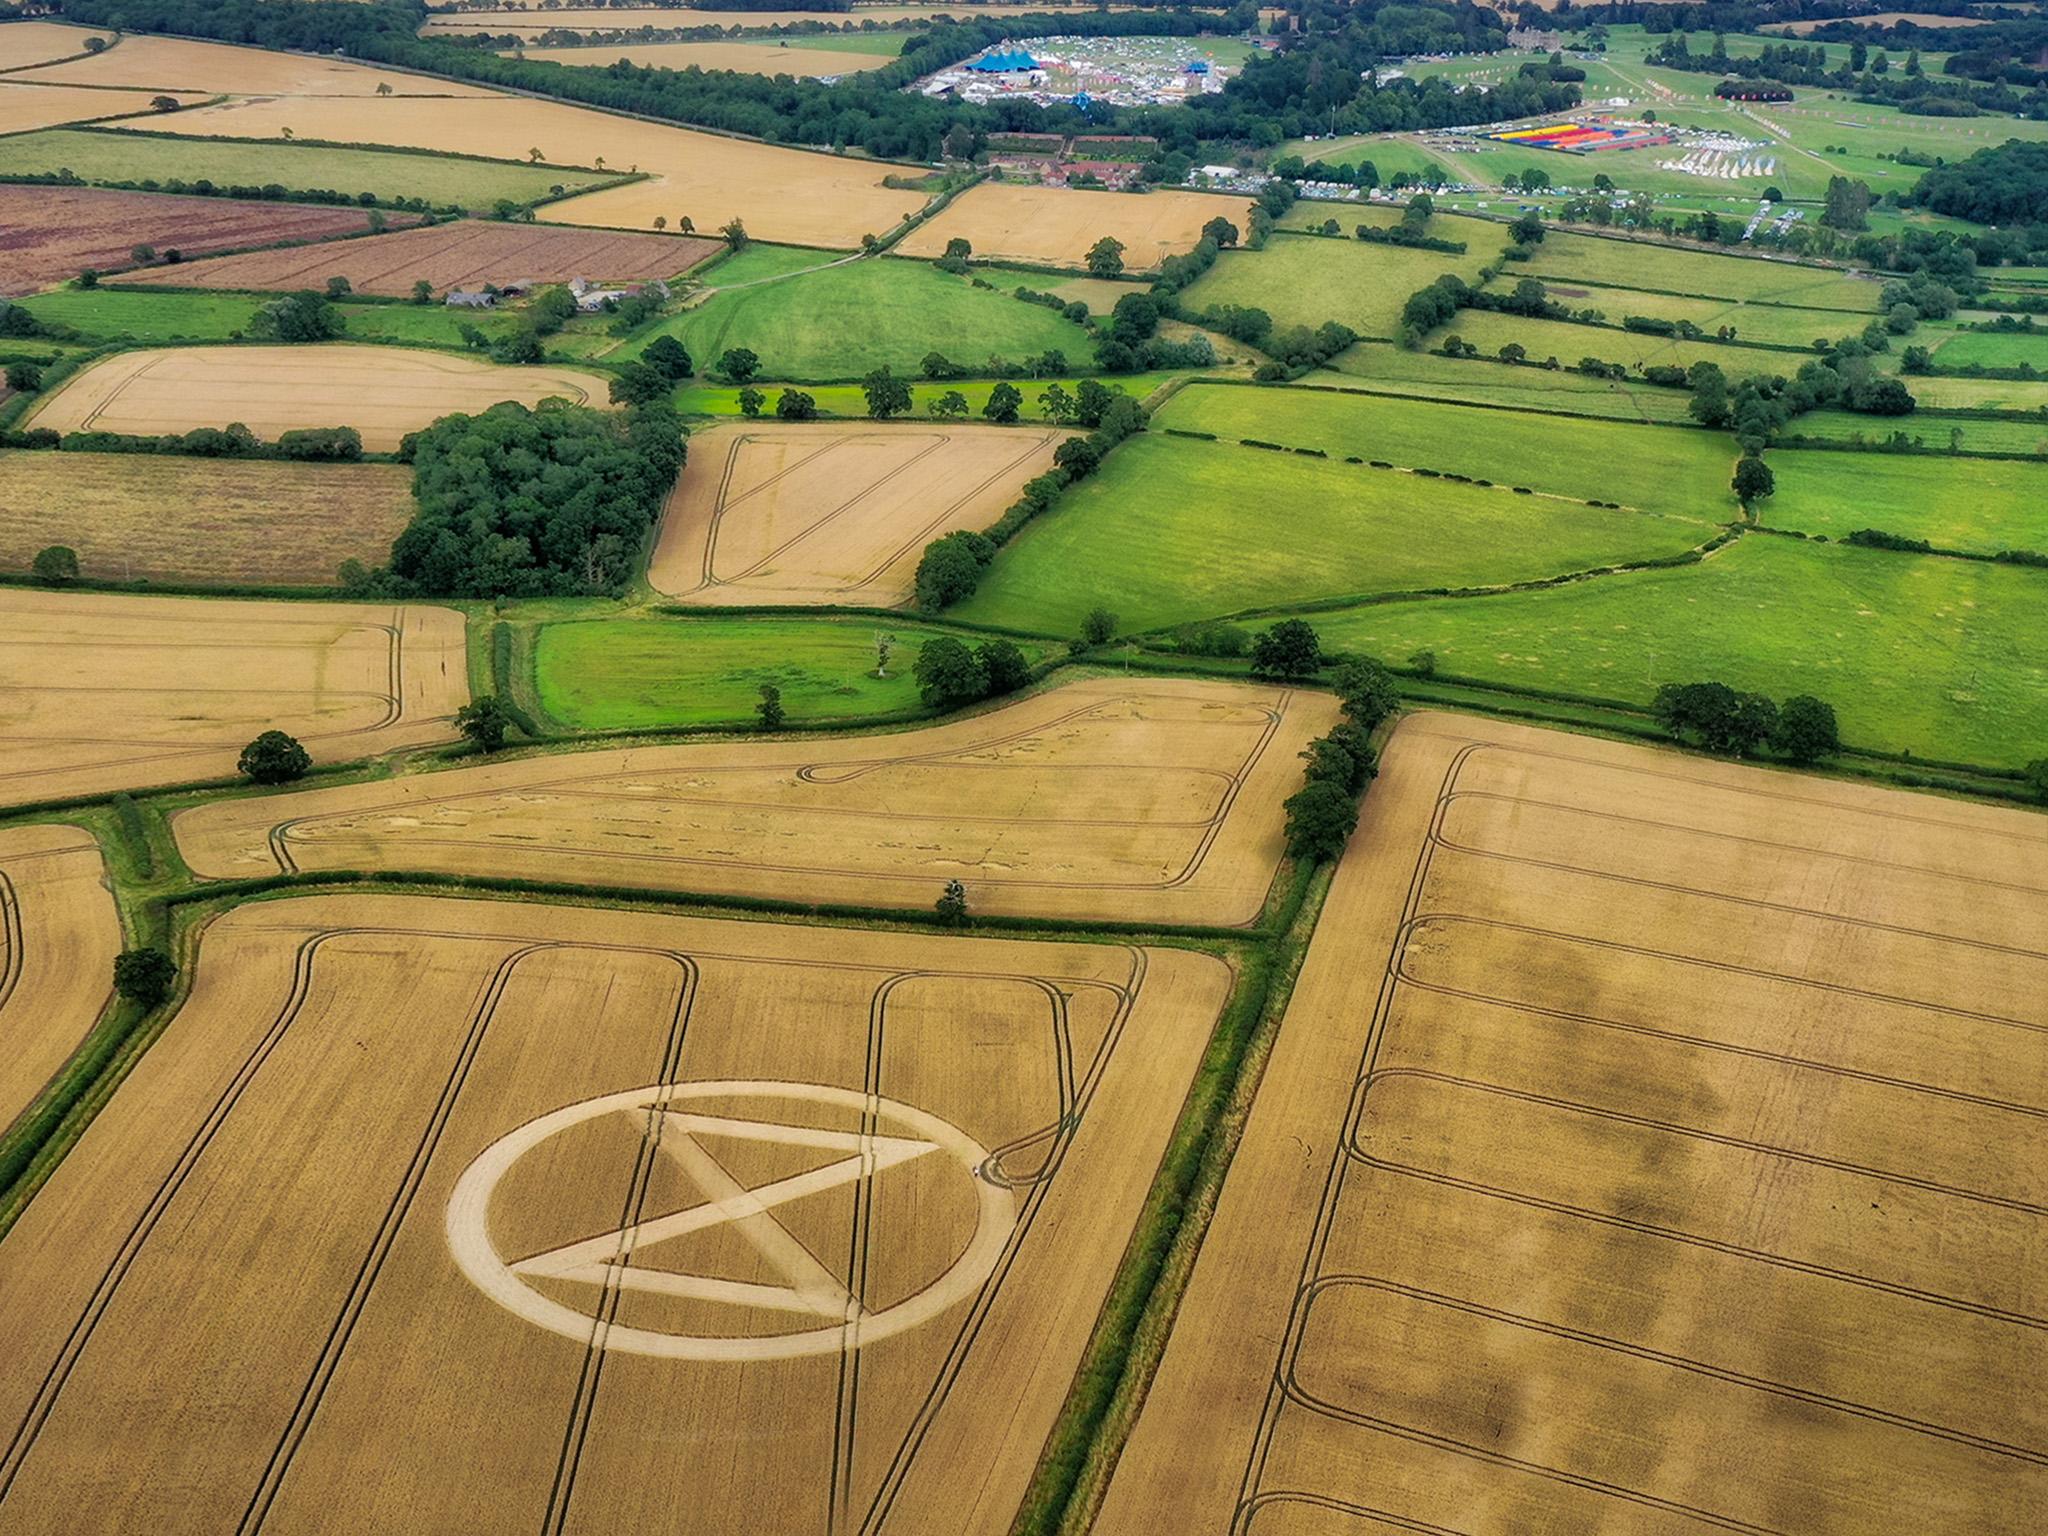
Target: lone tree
(958,249)
(1099,627)
(1222,231)
(170,103)
(736,235)
(738,364)
(423,292)
(770,707)
(1753,480)
(56,565)
(884,644)
(795,405)
(1806,730)
(1321,817)
(1290,649)
(144,975)
(1106,257)
(950,406)
(948,673)
(1004,402)
(887,395)
(274,758)
(751,400)
(952,904)
(669,358)
(484,723)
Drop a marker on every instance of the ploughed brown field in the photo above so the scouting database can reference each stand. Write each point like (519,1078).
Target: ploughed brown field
(1135,798)
(433,1215)
(1012,222)
(202,522)
(383,392)
(48,234)
(1651,1145)
(99,693)
(58,939)
(831,512)
(465,254)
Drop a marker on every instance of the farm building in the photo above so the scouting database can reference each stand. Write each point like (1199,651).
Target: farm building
(471,299)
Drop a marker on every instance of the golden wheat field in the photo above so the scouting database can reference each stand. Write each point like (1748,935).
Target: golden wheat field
(1651,1145)
(1007,221)
(58,939)
(148,63)
(632,18)
(25,44)
(206,522)
(788,195)
(99,693)
(464,1216)
(763,58)
(27,107)
(383,392)
(1132,798)
(831,512)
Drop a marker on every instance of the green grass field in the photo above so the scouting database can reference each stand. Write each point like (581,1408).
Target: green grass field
(887,44)
(1489,331)
(631,674)
(1961,434)
(1947,659)
(135,157)
(116,314)
(1977,505)
(1993,349)
(1947,394)
(847,399)
(840,322)
(1766,325)
(1653,469)
(1489,383)
(1563,257)
(1306,279)
(1171,531)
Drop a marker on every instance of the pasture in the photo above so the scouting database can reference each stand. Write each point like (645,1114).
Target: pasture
(1624,1100)
(1116,798)
(747,1112)
(451,181)
(383,392)
(789,195)
(1764,325)
(609,675)
(1971,434)
(1172,531)
(841,321)
(767,57)
(1568,342)
(57,949)
(464,254)
(51,233)
(1957,394)
(201,522)
(1977,505)
(1941,658)
(1652,469)
(1008,221)
(1395,370)
(1657,268)
(1307,279)
(817,513)
(100,693)
(1994,349)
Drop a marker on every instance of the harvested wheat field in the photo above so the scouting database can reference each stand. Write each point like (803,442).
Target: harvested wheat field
(831,513)
(1652,1145)
(99,693)
(1009,222)
(148,63)
(468,1216)
(790,195)
(1114,798)
(25,107)
(58,939)
(24,44)
(383,392)
(631,19)
(205,522)
(466,254)
(762,58)
(49,233)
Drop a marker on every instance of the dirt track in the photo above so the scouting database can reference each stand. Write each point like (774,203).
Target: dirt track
(100,693)
(58,939)
(831,513)
(1115,798)
(336,1217)
(1686,1173)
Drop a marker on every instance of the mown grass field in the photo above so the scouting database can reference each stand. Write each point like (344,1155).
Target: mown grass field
(1172,530)
(1673,269)
(699,399)
(1655,469)
(124,315)
(612,674)
(842,321)
(1977,505)
(135,157)
(1777,325)
(1970,434)
(1948,394)
(1307,279)
(1994,349)
(1491,383)
(1947,659)
(1568,342)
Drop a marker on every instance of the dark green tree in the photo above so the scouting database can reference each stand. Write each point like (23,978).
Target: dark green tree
(1106,257)
(952,904)
(1321,817)
(1005,665)
(738,364)
(950,569)
(638,384)
(1367,691)
(2037,779)
(669,358)
(274,758)
(750,400)
(1224,233)
(484,722)
(297,317)
(1806,730)
(24,377)
(770,707)
(1290,649)
(1004,402)
(795,405)
(886,394)
(144,975)
(1753,480)
(949,674)
(1098,627)
(56,565)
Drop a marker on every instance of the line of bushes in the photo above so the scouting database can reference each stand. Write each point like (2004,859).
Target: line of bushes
(319,445)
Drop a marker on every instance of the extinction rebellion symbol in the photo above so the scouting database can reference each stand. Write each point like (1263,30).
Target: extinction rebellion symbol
(604,1262)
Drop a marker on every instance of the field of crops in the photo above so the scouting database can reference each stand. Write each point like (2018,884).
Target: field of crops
(762,58)
(1007,221)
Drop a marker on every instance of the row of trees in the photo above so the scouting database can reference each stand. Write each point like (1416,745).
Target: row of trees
(1735,724)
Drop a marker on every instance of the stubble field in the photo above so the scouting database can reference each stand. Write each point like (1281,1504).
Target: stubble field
(1109,799)
(204,522)
(383,392)
(1651,1144)
(466,254)
(830,513)
(1006,221)
(563,1194)
(58,939)
(99,693)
